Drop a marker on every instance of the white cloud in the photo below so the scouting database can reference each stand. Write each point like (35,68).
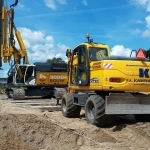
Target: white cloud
(148,21)
(120,50)
(84,2)
(32,37)
(147,32)
(61,55)
(143,3)
(62,47)
(146,5)
(136,31)
(49,39)
(41,47)
(20,5)
(139,2)
(139,22)
(50,4)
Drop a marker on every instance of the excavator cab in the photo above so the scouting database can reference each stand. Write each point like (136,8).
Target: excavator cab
(82,58)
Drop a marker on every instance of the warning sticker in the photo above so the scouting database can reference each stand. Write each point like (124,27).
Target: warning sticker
(107,65)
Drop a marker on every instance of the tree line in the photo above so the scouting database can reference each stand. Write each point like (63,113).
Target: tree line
(55,60)
(147,52)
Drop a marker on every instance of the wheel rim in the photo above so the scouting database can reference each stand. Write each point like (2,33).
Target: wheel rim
(90,111)
(64,105)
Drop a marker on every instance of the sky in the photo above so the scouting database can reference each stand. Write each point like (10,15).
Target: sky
(49,27)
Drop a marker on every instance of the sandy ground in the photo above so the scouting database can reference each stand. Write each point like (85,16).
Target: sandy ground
(31,129)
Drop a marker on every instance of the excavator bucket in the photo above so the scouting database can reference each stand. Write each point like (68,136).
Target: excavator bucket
(1,32)
(127,103)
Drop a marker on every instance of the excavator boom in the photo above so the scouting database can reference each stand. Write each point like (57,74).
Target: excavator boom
(8,31)
(1,32)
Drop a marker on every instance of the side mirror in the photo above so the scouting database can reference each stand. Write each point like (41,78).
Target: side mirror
(68,52)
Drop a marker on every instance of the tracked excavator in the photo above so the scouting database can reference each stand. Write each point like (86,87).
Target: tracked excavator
(25,79)
(106,85)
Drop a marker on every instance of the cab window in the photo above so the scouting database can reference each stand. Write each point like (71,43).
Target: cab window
(97,53)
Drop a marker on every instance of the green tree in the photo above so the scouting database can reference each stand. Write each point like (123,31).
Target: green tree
(56,60)
(147,53)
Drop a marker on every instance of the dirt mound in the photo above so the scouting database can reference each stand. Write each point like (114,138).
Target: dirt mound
(31,132)
(26,129)
(31,129)
(124,134)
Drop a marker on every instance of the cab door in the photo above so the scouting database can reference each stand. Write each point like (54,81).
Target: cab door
(83,71)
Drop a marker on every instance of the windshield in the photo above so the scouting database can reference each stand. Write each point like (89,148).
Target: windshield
(97,53)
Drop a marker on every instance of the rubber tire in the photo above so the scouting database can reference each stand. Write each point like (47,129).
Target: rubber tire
(68,108)
(95,112)
(142,117)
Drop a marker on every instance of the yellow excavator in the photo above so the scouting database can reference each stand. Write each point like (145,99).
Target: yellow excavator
(106,85)
(25,79)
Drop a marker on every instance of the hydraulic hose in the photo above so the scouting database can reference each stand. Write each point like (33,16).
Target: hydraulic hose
(13,5)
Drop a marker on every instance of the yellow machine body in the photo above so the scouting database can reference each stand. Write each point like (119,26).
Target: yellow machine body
(108,73)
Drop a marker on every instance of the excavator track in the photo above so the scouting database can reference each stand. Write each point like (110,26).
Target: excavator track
(18,93)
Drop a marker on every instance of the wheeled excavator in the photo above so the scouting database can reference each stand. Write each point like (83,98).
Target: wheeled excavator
(25,79)
(106,85)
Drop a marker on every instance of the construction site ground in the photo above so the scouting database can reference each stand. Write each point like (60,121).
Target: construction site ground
(33,125)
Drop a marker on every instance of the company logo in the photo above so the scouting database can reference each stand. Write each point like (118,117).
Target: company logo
(143,73)
(94,80)
(58,77)
(42,77)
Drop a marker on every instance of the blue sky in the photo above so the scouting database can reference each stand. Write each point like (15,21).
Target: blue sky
(49,27)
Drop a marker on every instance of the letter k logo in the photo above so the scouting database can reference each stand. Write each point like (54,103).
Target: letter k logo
(143,73)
